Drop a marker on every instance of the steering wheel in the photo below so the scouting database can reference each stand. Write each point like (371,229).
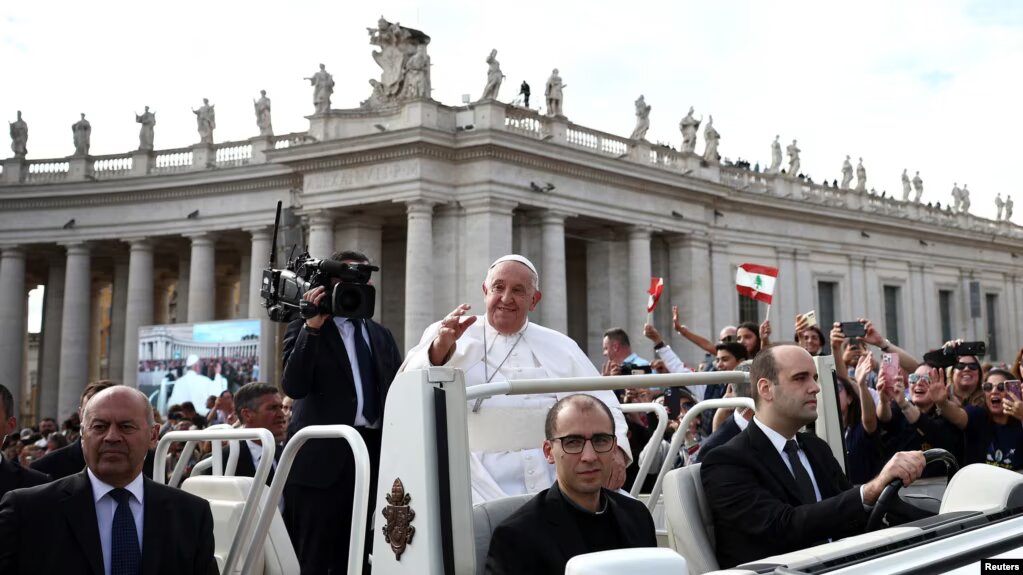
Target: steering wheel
(889,496)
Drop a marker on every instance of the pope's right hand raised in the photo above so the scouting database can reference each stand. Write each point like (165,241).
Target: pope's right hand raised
(451,328)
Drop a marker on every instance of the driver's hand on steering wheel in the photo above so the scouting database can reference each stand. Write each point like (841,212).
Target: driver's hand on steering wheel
(904,465)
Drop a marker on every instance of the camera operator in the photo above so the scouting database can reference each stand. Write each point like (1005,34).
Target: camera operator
(338,371)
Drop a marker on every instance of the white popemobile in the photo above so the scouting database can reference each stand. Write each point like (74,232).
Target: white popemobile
(425,523)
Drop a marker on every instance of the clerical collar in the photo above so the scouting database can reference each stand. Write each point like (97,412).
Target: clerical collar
(581,509)
(491,328)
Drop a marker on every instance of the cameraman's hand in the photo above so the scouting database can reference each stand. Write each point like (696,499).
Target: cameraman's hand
(315,296)
(451,328)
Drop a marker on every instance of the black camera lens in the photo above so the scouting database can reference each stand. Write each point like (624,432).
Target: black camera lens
(350,300)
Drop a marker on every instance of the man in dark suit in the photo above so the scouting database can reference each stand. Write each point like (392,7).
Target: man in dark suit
(108,519)
(576,515)
(69,460)
(773,490)
(338,371)
(12,475)
(259,405)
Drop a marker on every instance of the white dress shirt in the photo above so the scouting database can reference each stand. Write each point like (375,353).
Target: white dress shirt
(107,505)
(347,330)
(778,441)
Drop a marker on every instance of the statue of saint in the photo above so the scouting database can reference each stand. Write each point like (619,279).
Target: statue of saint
(262,107)
(957,197)
(494,77)
(148,120)
(793,152)
(206,120)
(861,177)
(1008,208)
(323,87)
(19,137)
(642,119)
(906,186)
(775,156)
(965,203)
(417,74)
(82,133)
(711,137)
(999,205)
(847,173)
(554,95)
(689,125)
(918,186)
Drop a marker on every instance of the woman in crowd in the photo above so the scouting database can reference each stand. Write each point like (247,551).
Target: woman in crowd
(809,337)
(859,423)
(965,387)
(993,432)
(752,337)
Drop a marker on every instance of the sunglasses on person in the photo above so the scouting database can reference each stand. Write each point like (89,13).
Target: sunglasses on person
(987,387)
(913,378)
(574,444)
(973,366)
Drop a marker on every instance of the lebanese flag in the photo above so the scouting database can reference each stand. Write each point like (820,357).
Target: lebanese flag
(755,281)
(656,287)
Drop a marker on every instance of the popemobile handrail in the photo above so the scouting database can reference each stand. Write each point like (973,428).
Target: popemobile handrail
(680,434)
(258,480)
(596,383)
(360,503)
(652,445)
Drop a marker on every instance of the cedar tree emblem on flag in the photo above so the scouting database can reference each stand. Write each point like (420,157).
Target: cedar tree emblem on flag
(756,281)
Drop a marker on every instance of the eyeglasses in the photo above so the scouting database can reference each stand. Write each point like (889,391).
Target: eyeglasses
(987,387)
(573,444)
(973,366)
(913,378)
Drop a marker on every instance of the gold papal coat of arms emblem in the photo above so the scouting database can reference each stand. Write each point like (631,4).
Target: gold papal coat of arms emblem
(398,530)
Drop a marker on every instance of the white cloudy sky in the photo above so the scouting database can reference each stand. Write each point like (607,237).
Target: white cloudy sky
(926,85)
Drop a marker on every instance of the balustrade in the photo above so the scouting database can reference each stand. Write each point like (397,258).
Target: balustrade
(114,166)
(233,154)
(525,122)
(169,161)
(47,171)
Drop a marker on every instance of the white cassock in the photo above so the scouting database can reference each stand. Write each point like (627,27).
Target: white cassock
(539,353)
(193,387)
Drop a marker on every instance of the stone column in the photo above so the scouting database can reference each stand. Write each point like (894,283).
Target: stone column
(13,305)
(261,238)
(96,331)
(447,279)
(915,320)
(419,311)
(365,234)
(725,299)
(785,294)
(875,305)
(528,241)
(487,236)
(553,307)
(49,363)
(139,310)
(689,288)
(119,305)
(321,235)
(184,274)
(857,287)
(639,265)
(804,282)
(74,340)
(601,301)
(202,279)
(244,284)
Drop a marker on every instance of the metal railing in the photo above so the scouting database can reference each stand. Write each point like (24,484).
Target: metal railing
(652,446)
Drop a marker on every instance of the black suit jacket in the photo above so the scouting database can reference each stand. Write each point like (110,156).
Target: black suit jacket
(722,435)
(14,476)
(177,531)
(69,460)
(755,503)
(246,466)
(318,376)
(542,536)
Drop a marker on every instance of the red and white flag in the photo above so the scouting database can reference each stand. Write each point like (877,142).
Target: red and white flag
(755,281)
(656,287)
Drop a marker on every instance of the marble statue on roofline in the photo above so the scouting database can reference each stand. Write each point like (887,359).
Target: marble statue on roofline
(957,197)
(793,152)
(847,173)
(775,156)
(554,95)
(494,77)
(148,120)
(1008,207)
(642,119)
(964,203)
(19,137)
(861,177)
(906,185)
(81,131)
(206,121)
(711,137)
(689,125)
(323,87)
(918,186)
(999,205)
(262,109)
(404,64)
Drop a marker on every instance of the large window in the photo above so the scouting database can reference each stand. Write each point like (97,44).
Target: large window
(827,300)
(891,313)
(749,310)
(945,311)
(991,310)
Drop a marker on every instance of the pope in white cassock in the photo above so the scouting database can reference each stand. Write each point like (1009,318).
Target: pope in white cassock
(504,345)
(195,387)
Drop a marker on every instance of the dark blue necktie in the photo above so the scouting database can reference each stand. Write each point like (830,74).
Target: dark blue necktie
(368,374)
(125,557)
